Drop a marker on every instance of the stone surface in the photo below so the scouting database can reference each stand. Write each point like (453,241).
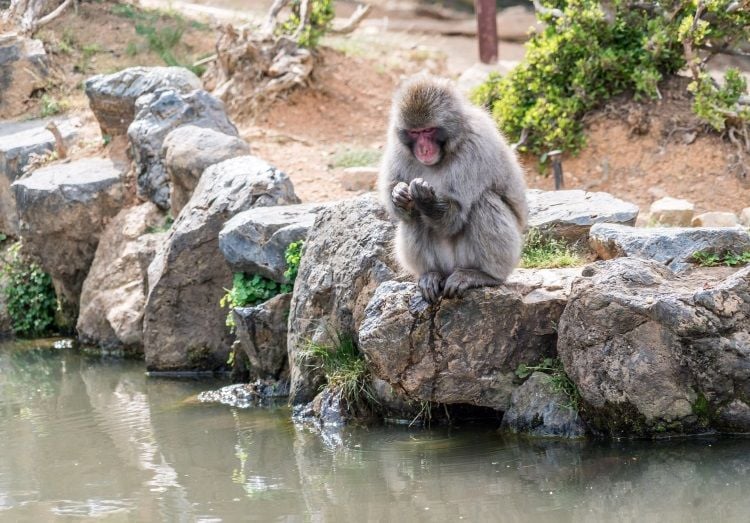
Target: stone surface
(348,253)
(19,142)
(260,393)
(745,217)
(159,113)
(112,97)
(715,219)
(254,241)
(261,331)
(656,353)
(114,292)
(672,246)
(23,69)
(477,74)
(671,212)
(359,178)
(62,210)
(570,214)
(466,350)
(184,326)
(188,151)
(537,409)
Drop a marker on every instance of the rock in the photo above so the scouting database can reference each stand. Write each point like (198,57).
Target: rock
(715,219)
(672,246)
(464,351)
(23,69)
(112,97)
(656,353)
(671,212)
(62,210)
(745,217)
(188,151)
(159,113)
(260,393)
(19,142)
(347,254)
(114,292)
(359,178)
(184,326)
(261,331)
(570,214)
(537,409)
(479,73)
(254,241)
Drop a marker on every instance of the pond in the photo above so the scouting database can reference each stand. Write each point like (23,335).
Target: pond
(94,437)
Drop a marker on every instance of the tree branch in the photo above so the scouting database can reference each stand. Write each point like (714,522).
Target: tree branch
(539,8)
(357,16)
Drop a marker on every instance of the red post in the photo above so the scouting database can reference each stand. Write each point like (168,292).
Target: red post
(487,30)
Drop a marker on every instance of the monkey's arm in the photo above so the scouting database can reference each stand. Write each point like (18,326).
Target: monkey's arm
(515,198)
(440,212)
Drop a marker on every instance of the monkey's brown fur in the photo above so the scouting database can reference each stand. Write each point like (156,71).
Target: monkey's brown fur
(461,220)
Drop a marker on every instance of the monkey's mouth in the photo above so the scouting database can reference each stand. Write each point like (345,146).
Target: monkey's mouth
(427,155)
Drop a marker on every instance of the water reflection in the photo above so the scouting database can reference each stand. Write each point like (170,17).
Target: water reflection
(83,437)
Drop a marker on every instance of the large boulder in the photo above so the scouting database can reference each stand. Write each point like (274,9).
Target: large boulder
(538,408)
(159,113)
(114,292)
(570,214)
(19,143)
(261,332)
(23,69)
(184,326)
(652,352)
(465,350)
(188,151)
(62,211)
(112,97)
(672,246)
(347,254)
(254,241)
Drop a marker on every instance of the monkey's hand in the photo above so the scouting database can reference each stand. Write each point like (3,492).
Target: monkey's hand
(421,192)
(427,202)
(401,198)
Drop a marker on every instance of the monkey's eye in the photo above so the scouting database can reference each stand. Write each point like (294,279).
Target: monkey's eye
(426,132)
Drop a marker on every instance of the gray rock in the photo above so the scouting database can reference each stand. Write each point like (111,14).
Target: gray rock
(570,214)
(715,219)
(63,209)
(114,293)
(112,97)
(672,246)
(261,332)
(259,393)
(188,151)
(254,241)
(359,178)
(348,253)
(656,353)
(159,113)
(23,69)
(19,142)
(465,350)
(184,326)
(671,212)
(537,409)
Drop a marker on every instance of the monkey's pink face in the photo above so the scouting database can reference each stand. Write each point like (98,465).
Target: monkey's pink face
(426,145)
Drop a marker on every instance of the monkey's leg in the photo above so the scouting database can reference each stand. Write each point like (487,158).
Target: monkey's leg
(463,279)
(431,285)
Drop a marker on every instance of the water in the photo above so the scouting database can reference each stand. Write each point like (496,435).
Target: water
(97,438)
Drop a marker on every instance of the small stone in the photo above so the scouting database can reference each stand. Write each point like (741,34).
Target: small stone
(359,178)
(671,212)
(745,217)
(715,219)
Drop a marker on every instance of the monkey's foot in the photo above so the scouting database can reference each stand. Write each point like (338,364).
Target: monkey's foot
(464,279)
(431,286)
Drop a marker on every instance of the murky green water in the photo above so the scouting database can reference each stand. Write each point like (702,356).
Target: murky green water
(97,438)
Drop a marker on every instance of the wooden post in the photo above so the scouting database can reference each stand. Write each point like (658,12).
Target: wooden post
(487,30)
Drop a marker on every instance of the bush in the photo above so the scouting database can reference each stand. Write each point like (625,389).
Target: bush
(321,15)
(588,54)
(29,294)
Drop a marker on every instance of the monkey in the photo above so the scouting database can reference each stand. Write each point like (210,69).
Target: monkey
(455,187)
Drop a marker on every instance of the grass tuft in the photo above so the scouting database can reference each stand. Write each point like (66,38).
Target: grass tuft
(356,157)
(559,380)
(542,252)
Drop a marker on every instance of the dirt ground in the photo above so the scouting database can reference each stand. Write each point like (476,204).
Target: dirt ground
(637,152)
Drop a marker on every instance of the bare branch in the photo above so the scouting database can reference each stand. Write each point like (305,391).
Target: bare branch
(539,8)
(304,19)
(357,16)
(269,26)
(52,16)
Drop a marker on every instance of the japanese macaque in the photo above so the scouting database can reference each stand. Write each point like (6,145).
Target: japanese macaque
(455,187)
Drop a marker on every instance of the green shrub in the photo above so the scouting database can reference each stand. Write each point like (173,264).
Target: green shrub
(590,54)
(293,255)
(29,295)
(542,252)
(728,258)
(321,15)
